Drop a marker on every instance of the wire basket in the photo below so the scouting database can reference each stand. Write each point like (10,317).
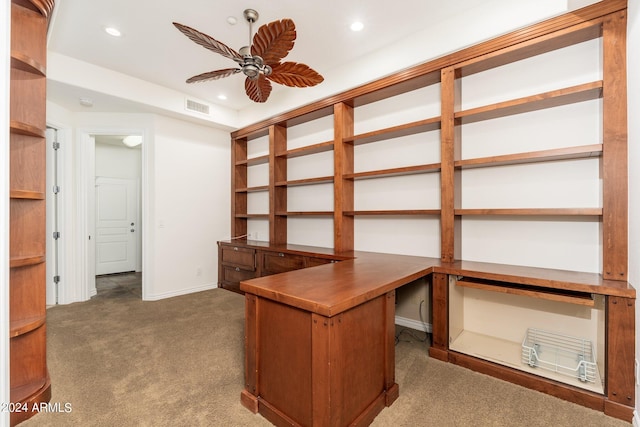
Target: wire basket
(559,353)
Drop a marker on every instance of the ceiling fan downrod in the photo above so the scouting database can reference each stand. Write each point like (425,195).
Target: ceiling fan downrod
(251,65)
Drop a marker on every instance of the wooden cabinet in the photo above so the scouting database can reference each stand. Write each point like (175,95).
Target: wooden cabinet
(235,263)
(279,262)
(29,377)
(242,260)
(284,386)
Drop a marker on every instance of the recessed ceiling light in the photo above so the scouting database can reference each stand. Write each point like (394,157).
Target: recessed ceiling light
(357,26)
(113,31)
(86,102)
(222,97)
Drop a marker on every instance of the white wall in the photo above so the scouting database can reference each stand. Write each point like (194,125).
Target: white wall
(185,186)
(633,92)
(191,205)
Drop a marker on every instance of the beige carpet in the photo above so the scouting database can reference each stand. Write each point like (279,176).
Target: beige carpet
(119,361)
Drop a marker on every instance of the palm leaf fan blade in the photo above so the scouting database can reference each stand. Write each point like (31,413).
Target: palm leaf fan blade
(294,74)
(258,90)
(213,75)
(274,40)
(208,42)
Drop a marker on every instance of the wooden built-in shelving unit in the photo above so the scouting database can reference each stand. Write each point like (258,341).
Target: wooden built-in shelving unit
(29,378)
(603,21)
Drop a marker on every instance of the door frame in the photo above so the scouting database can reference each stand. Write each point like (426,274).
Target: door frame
(85,209)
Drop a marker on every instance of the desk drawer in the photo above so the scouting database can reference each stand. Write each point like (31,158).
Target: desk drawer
(313,261)
(238,256)
(236,274)
(279,262)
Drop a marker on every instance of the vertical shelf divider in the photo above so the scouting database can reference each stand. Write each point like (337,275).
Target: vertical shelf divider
(614,151)
(343,118)
(449,152)
(277,194)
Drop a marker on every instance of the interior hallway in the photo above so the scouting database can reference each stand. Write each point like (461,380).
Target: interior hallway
(121,285)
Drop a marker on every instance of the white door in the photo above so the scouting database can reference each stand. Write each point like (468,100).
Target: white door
(115,225)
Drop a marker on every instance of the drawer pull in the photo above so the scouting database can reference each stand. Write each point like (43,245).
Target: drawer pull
(237,268)
(235,248)
(280,254)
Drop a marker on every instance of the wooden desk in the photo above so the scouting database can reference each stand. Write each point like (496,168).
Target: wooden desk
(320,341)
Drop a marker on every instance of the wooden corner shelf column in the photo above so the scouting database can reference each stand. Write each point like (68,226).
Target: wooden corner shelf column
(28,377)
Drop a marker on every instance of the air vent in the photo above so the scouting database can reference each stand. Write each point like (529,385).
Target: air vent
(197,107)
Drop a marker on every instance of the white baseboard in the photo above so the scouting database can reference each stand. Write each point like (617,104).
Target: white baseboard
(177,293)
(415,324)
(635,421)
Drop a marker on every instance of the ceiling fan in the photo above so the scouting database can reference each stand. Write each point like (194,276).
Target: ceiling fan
(260,61)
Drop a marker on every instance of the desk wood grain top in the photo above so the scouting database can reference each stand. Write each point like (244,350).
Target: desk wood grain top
(333,288)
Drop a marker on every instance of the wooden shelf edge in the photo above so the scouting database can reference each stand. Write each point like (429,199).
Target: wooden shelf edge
(306,181)
(252,216)
(407,170)
(24,326)
(542,277)
(26,129)
(428,212)
(563,391)
(555,98)
(540,293)
(406,129)
(43,7)
(532,211)
(16,262)
(26,194)
(308,150)
(30,394)
(253,161)
(252,189)
(567,153)
(25,63)
(305,213)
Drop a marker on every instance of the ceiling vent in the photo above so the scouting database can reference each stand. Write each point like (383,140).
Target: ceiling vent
(197,107)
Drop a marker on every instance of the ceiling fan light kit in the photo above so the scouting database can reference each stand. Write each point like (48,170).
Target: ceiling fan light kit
(260,61)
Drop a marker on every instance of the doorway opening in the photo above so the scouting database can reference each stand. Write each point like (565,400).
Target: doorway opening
(117,219)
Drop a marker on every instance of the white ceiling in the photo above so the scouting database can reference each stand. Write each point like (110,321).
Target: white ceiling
(153,50)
